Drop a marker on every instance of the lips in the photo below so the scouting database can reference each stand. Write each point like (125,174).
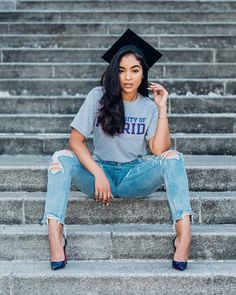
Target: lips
(128,85)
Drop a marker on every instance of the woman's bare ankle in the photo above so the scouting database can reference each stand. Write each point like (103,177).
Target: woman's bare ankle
(56,240)
(183,245)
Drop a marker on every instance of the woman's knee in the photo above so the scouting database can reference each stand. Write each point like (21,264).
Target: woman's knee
(58,162)
(171,154)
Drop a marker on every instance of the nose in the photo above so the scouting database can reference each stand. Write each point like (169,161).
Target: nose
(127,76)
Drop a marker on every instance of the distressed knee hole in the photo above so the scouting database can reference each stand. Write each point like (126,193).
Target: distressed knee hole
(56,165)
(171,154)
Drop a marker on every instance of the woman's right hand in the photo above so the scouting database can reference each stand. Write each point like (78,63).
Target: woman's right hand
(102,189)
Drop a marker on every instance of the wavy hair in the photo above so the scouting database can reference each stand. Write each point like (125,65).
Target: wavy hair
(111,112)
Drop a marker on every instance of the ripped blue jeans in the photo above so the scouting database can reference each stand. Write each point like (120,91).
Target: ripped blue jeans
(134,179)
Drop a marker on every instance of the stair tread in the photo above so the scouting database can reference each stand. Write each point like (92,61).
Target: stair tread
(124,22)
(191,161)
(115,35)
(66,135)
(118,267)
(101,11)
(23,195)
(119,229)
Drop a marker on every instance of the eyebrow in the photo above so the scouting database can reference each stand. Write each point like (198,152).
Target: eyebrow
(131,67)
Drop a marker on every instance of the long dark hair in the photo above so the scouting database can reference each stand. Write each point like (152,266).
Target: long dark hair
(111,113)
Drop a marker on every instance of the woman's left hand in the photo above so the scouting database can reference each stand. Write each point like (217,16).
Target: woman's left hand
(160,94)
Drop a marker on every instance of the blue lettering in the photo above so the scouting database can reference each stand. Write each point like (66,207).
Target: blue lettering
(126,128)
(141,128)
(133,128)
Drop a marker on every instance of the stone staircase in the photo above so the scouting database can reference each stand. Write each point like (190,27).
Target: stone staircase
(50,58)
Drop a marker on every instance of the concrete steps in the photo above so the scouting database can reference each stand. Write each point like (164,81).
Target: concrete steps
(121,16)
(93,70)
(23,23)
(60,123)
(197,104)
(117,241)
(76,55)
(93,55)
(208,208)
(154,5)
(176,41)
(71,86)
(205,173)
(47,143)
(121,276)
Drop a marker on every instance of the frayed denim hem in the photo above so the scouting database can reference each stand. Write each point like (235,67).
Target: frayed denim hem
(52,216)
(181,217)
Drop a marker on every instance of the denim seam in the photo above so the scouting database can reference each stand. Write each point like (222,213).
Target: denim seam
(185,212)
(67,189)
(46,215)
(167,182)
(189,213)
(175,218)
(170,191)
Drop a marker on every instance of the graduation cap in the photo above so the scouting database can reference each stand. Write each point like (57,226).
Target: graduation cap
(131,39)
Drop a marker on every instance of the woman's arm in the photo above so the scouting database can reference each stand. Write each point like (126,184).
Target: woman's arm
(79,148)
(161,140)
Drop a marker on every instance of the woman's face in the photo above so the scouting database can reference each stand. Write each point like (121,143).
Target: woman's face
(130,74)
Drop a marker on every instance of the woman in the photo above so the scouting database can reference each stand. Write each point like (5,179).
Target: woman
(122,119)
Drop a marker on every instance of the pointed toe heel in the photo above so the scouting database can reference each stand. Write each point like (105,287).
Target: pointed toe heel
(173,242)
(179,265)
(55,265)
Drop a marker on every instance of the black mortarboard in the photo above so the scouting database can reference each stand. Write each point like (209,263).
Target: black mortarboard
(130,38)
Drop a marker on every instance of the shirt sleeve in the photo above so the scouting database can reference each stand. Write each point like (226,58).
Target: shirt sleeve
(85,118)
(153,124)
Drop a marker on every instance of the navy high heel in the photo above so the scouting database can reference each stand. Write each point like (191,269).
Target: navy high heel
(180,265)
(55,265)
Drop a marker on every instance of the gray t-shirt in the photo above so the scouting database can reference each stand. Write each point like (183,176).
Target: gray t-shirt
(141,117)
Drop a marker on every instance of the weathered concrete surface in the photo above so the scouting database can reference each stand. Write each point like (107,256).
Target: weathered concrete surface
(28,208)
(118,241)
(153,277)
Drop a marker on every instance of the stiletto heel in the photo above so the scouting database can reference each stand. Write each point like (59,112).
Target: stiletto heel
(55,265)
(65,250)
(180,265)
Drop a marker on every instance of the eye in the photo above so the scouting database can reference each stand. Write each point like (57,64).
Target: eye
(120,71)
(136,71)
